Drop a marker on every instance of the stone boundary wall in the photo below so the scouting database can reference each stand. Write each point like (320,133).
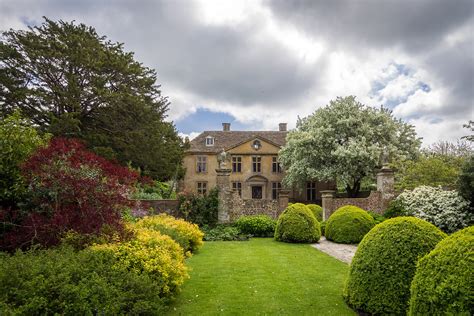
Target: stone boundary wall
(159,206)
(376,202)
(372,203)
(239,207)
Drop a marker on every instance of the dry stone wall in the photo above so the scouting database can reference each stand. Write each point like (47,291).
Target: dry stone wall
(238,207)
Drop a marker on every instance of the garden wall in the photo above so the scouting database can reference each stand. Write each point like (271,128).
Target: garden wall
(373,202)
(239,207)
(170,207)
(376,202)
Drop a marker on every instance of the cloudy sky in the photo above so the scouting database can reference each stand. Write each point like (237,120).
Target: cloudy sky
(258,63)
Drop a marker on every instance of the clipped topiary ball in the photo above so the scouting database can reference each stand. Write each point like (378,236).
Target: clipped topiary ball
(297,224)
(385,263)
(317,211)
(444,278)
(348,225)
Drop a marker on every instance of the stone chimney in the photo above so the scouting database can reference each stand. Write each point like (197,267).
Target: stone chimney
(282,127)
(226,127)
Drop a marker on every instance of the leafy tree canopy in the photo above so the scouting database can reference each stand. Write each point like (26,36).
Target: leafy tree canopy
(18,140)
(438,165)
(345,141)
(72,82)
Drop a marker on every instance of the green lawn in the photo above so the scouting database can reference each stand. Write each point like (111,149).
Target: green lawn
(262,277)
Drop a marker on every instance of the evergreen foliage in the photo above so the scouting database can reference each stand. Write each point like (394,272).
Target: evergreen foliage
(187,235)
(385,263)
(444,278)
(18,140)
(72,82)
(256,225)
(348,225)
(297,224)
(465,181)
(317,211)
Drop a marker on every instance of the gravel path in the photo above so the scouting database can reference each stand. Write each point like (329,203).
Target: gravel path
(343,252)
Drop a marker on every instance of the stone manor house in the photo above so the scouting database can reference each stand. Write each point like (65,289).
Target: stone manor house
(252,157)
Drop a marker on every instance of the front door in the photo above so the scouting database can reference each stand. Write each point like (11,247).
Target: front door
(257,192)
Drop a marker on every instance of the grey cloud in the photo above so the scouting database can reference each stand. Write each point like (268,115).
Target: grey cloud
(222,63)
(413,25)
(416,27)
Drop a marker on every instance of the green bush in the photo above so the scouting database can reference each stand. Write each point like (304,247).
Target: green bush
(323,228)
(257,225)
(377,217)
(224,233)
(317,211)
(384,264)
(444,278)
(199,209)
(186,234)
(18,140)
(348,225)
(153,254)
(297,224)
(64,282)
(395,208)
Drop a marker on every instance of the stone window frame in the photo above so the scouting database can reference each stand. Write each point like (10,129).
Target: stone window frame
(237,164)
(311,192)
(201,187)
(201,164)
(256,164)
(237,185)
(276,167)
(276,187)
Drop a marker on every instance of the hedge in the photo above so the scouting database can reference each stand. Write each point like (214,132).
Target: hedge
(297,224)
(186,234)
(444,278)
(256,225)
(385,262)
(317,211)
(348,225)
(65,282)
(151,253)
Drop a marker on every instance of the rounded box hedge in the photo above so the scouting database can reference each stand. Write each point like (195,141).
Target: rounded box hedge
(256,225)
(297,224)
(385,262)
(317,211)
(348,225)
(444,278)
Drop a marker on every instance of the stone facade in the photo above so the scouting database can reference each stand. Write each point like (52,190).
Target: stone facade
(244,146)
(376,202)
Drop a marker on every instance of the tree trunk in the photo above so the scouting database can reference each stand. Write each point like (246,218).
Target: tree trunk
(353,191)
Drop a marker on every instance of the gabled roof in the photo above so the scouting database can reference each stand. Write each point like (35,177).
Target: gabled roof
(230,139)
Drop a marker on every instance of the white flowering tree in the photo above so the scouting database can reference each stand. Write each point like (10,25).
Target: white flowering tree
(444,209)
(345,141)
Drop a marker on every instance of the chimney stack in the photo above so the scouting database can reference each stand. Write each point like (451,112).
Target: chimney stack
(226,127)
(282,127)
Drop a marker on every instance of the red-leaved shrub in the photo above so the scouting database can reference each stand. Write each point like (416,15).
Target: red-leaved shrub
(70,188)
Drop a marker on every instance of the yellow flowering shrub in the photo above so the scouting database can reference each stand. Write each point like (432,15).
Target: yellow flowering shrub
(188,235)
(154,254)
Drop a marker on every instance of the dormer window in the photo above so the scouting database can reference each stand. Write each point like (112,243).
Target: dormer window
(209,141)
